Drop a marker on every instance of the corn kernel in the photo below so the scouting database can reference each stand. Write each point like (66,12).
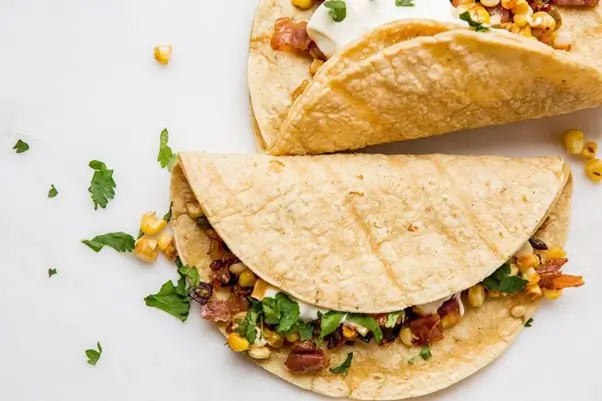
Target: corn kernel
(589,150)
(299,90)
(514,270)
(526,31)
(193,209)
(533,292)
(479,13)
(552,294)
(468,3)
(508,4)
(494,294)
(574,141)
(167,245)
(151,225)
(476,295)
(522,7)
(272,338)
(163,241)
(450,320)
(293,338)
(406,336)
(518,311)
(531,275)
(520,21)
(259,352)
(593,170)
(349,333)
(563,40)
(543,20)
(247,279)
(490,3)
(146,249)
(527,262)
(162,54)
(303,4)
(555,252)
(237,343)
(237,268)
(315,66)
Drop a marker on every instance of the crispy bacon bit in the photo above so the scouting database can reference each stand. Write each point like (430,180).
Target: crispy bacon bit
(539,5)
(202,293)
(290,36)
(305,358)
(553,266)
(216,311)
(576,3)
(221,277)
(238,303)
(427,329)
(560,281)
(315,52)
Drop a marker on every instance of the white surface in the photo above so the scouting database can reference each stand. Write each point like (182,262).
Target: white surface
(78,82)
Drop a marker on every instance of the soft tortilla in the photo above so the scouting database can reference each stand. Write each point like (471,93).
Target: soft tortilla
(412,79)
(374,233)
(383,372)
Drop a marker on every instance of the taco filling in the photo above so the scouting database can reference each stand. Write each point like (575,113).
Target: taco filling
(261,317)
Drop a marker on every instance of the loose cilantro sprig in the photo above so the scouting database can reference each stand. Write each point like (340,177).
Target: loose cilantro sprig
(479,27)
(52,192)
(119,241)
(392,318)
(21,146)
(329,323)
(102,187)
(425,353)
(529,322)
(166,157)
(369,323)
(337,9)
(94,355)
(502,280)
(174,299)
(404,3)
(51,272)
(167,216)
(343,369)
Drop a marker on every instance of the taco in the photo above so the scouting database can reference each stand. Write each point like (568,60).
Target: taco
(380,277)
(328,79)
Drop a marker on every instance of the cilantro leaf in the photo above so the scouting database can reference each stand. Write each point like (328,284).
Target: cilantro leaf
(344,367)
(170,299)
(329,322)
(513,284)
(369,323)
(119,241)
(404,3)
(271,310)
(52,192)
(337,9)
(190,275)
(306,330)
(167,216)
(529,322)
(51,272)
(166,157)
(425,353)
(251,318)
(479,27)
(140,234)
(102,187)
(392,318)
(412,360)
(21,146)
(94,355)
(290,313)
(502,280)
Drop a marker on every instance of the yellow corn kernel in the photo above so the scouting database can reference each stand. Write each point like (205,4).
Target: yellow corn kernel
(349,333)
(520,21)
(237,343)
(237,268)
(526,31)
(543,20)
(247,279)
(574,141)
(533,292)
(406,336)
(167,245)
(315,66)
(555,252)
(476,295)
(450,320)
(490,3)
(146,249)
(293,338)
(527,262)
(518,311)
(480,14)
(522,7)
(508,4)
(593,170)
(272,338)
(494,293)
(509,26)
(589,150)
(468,3)
(163,241)
(259,352)
(563,40)
(303,4)
(193,209)
(552,294)
(531,275)
(299,90)
(514,270)
(151,225)
(163,53)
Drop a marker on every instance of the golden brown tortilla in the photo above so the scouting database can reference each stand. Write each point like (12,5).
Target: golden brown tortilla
(383,372)
(412,79)
(342,228)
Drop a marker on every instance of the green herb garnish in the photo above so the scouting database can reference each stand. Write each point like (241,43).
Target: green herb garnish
(479,27)
(94,355)
(290,313)
(329,322)
(102,186)
(306,330)
(337,9)
(191,275)
(425,353)
(52,192)
(21,146)
(529,322)
(404,3)
(392,318)
(502,280)
(51,272)
(166,157)
(121,242)
(171,299)
(167,216)
(369,323)
(247,327)
(344,367)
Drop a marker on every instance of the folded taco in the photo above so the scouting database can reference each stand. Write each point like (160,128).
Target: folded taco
(347,74)
(372,276)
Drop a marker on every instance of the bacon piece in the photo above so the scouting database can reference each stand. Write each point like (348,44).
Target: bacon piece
(305,357)
(504,14)
(216,311)
(449,313)
(576,3)
(290,36)
(202,293)
(427,329)
(560,281)
(552,267)
(238,303)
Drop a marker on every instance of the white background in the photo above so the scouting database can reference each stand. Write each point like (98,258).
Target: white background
(78,82)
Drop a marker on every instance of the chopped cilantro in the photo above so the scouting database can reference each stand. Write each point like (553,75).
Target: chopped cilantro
(479,27)
(369,323)
(529,322)
(102,186)
(191,275)
(271,310)
(329,322)
(121,242)
(52,192)
(289,312)
(337,9)
(21,146)
(140,234)
(167,216)
(94,355)
(392,318)
(51,272)
(404,3)
(425,353)
(247,328)
(502,280)
(412,360)
(344,367)
(306,330)
(171,299)
(166,157)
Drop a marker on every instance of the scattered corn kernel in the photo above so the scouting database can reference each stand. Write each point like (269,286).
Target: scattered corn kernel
(193,209)
(163,241)
(300,89)
(293,338)
(315,66)
(509,26)
(589,150)
(533,292)
(450,320)
(508,4)
(259,352)
(563,40)
(514,270)
(552,294)
(349,333)
(574,141)
(167,245)
(151,224)
(468,3)
(490,3)
(494,293)
(527,262)
(520,21)
(476,295)
(593,169)
(303,4)
(163,53)
(247,279)
(518,311)
(406,336)
(543,20)
(480,14)
(531,275)
(555,252)
(146,249)
(237,268)
(522,7)
(272,338)
(237,343)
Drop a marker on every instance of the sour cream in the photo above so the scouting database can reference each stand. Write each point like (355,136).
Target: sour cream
(364,15)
